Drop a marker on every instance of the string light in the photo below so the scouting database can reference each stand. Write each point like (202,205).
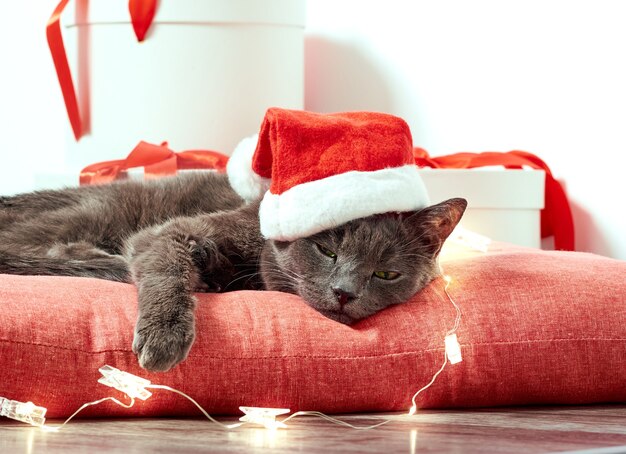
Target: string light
(135,387)
(452,348)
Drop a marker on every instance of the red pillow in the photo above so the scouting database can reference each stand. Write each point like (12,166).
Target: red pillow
(538,327)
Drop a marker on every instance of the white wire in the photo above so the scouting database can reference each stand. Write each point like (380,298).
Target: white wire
(88,404)
(333,420)
(445,361)
(299,413)
(204,412)
(457,323)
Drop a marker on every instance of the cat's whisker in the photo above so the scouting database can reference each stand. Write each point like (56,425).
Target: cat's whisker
(236,254)
(249,276)
(283,276)
(291,274)
(274,267)
(278,273)
(416,239)
(274,272)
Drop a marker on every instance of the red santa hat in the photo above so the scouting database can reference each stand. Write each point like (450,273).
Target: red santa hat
(318,171)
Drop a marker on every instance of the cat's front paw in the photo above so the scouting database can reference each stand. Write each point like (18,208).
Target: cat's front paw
(160,344)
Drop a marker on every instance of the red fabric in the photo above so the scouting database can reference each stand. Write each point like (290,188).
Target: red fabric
(296,147)
(157,161)
(537,328)
(141,11)
(556,216)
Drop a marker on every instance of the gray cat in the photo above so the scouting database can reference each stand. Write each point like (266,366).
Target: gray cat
(189,233)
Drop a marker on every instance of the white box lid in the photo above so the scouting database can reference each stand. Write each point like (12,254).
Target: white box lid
(487,187)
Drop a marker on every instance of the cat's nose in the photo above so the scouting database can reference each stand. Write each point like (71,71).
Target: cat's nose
(343,297)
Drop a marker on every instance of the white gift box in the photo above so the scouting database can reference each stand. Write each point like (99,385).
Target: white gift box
(202,79)
(503,205)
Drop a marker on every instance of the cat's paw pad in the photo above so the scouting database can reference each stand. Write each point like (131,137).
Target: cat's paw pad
(162,344)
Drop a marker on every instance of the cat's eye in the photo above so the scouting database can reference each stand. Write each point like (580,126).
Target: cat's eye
(326,252)
(387,275)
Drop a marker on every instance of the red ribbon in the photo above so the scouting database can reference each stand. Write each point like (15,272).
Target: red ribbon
(556,216)
(141,13)
(157,161)
(55,43)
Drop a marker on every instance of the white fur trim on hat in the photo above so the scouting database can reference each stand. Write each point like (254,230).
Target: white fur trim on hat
(245,181)
(309,208)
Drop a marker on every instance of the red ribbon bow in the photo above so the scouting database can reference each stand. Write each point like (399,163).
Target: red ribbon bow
(556,216)
(141,13)
(157,160)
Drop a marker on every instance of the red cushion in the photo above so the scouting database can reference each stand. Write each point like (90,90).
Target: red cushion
(537,327)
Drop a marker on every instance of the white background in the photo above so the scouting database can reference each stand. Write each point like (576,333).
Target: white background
(545,76)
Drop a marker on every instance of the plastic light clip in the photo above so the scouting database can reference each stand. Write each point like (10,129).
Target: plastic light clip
(264,416)
(26,412)
(131,385)
(453,349)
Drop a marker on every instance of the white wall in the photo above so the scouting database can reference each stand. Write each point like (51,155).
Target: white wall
(32,116)
(546,76)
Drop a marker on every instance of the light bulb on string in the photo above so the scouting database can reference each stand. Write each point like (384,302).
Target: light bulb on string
(135,387)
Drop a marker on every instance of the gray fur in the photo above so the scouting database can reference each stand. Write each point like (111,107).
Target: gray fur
(175,236)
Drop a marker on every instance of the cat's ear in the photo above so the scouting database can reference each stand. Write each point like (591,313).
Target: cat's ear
(432,225)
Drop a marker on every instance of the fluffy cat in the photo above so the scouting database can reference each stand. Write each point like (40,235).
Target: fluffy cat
(178,235)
